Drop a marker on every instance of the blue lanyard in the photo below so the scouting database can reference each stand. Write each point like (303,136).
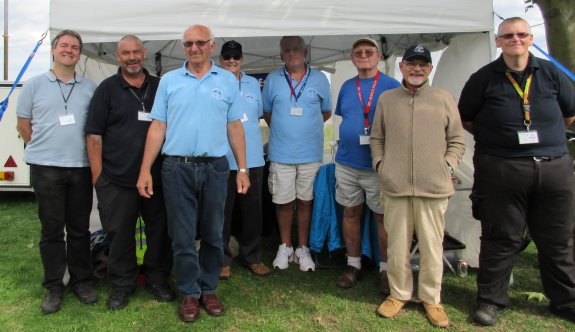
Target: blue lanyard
(292,89)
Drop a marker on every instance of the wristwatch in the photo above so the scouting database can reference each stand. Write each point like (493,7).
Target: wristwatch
(244,170)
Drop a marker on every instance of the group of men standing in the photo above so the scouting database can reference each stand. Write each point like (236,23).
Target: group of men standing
(182,151)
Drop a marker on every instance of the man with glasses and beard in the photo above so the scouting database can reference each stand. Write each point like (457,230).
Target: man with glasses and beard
(357,182)
(116,128)
(417,142)
(517,108)
(195,120)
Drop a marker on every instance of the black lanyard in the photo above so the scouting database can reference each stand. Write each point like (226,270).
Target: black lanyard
(141,100)
(65,98)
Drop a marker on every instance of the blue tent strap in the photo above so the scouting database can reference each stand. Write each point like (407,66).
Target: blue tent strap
(4,104)
(556,63)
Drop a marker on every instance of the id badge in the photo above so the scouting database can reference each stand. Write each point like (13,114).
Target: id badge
(364,139)
(144,116)
(296,111)
(528,137)
(66,120)
(244,117)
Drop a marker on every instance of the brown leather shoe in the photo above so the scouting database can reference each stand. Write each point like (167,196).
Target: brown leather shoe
(189,310)
(259,269)
(349,277)
(212,304)
(226,273)
(383,286)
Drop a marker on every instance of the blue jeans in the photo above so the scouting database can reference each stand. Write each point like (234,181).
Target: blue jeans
(195,195)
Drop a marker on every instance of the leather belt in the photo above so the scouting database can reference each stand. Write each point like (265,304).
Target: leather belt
(545,158)
(193,160)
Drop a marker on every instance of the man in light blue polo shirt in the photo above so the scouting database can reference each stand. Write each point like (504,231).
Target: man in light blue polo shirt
(194,115)
(51,112)
(297,101)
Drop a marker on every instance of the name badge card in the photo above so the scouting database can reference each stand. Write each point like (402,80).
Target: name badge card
(144,116)
(364,139)
(66,120)
(528,137)
(296,111)
(244,117)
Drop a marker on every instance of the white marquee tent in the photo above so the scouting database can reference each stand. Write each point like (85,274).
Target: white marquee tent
(462,28)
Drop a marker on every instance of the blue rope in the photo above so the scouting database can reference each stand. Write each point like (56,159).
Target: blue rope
(4,103)
(556,63)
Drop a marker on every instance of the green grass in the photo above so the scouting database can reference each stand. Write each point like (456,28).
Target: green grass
(285,301)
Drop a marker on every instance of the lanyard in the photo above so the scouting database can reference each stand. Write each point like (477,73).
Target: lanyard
(62,91)
(367,107)
(141,100)
(292,88)
(524,96)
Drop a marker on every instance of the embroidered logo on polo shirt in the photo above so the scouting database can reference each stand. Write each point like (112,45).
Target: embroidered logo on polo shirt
(250,98)
(217,94)
(312,93)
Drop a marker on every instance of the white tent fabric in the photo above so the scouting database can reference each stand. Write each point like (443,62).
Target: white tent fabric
(463,28)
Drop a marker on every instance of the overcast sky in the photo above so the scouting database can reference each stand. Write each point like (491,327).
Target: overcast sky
(28,20)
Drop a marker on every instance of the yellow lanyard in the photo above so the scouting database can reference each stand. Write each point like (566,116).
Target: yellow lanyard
(524,96)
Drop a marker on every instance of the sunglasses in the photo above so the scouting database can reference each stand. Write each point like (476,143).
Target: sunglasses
(228,57)
(199,43)
(368,53)
(520,35)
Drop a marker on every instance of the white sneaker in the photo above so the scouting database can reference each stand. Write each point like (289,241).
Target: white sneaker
(283,257)
(303,258)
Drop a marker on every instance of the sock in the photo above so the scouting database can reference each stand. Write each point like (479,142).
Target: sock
(354,261)
(382,266)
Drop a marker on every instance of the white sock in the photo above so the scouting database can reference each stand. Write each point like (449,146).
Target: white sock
(382,266)
(354,261)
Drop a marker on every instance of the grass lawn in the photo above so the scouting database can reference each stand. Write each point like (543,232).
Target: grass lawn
(285,301)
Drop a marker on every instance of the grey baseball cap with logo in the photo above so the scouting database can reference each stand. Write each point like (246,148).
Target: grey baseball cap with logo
(367,41)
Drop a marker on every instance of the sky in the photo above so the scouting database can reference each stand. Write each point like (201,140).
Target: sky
(28,20)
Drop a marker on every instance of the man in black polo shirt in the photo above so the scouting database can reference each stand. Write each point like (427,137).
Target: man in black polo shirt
(116,129)
(517,108)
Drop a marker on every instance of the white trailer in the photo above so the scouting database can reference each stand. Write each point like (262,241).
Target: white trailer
(14,172)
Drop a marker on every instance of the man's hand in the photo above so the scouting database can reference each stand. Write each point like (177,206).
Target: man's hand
(242,182)
(145,185)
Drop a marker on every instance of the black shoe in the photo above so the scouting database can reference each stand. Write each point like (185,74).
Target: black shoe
(53,299)
(161,292)
(85,292)
(118,299)
(486,314)
(567,314)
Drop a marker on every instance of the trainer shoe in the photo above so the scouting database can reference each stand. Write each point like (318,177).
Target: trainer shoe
(383,286)
(283,257)
(486,314)
(349,277)
(436,314)
(85,292)
(303,258)
(52,300)
(390,307)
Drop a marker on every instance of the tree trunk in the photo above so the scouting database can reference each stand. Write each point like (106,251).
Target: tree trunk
(559,17)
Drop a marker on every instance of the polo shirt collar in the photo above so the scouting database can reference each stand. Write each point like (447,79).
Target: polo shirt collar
(213,69)
(125,83)
(500,65)
(418,91)
(53,78)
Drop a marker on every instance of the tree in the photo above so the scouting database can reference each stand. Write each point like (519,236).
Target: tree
(559,20)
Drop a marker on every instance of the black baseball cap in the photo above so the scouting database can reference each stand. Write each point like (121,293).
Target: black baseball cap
(417,51)
(231,47)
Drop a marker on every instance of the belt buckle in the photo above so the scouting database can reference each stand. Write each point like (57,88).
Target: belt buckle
(188,159)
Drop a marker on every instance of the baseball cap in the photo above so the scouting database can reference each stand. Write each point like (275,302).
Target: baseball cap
(417,50)
(231,47)
(368,41)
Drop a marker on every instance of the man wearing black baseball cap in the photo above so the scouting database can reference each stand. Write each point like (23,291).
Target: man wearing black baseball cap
(417,141)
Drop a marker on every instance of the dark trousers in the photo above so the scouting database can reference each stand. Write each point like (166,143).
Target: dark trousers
(119,209)
(195,198)
(64,201)
(516,194)
(250,207)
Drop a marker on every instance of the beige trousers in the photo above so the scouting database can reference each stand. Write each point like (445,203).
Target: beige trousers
(425,216)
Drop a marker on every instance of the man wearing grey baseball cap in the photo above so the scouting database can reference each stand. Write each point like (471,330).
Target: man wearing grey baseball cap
(417,142)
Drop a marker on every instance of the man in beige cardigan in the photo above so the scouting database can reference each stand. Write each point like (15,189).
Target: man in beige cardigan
(417,141)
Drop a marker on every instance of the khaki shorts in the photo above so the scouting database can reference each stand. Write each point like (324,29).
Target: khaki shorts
(356,186)
(288,182)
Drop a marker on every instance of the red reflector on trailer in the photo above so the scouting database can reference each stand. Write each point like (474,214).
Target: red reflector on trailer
(6,176)
(10,162)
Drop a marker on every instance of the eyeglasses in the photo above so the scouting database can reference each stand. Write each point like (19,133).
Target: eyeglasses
(199,43)
(413,65)
(520,35)
(235,57)
(368,53)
